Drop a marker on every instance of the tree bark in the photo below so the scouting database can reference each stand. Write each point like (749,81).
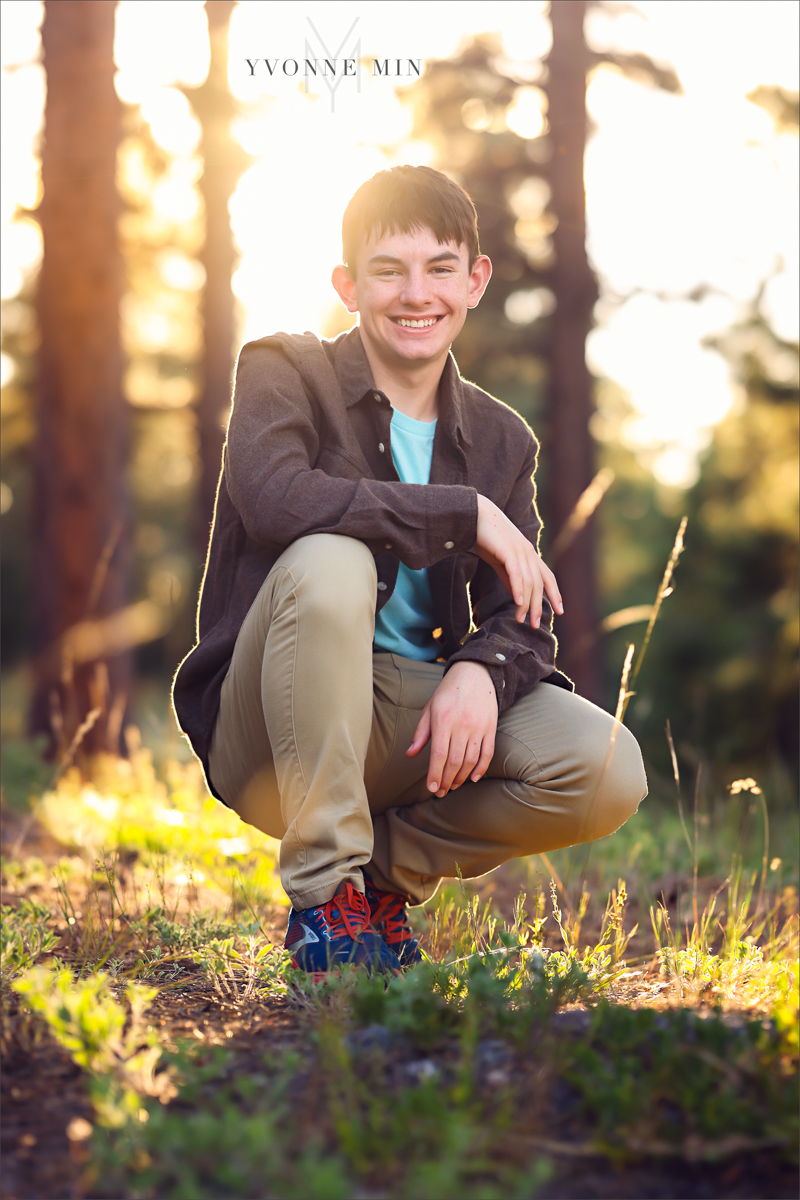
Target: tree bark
(80,514)
(569,447)
(223,163)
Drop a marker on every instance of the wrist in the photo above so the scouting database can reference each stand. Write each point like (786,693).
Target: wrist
(467,668)
(463,665)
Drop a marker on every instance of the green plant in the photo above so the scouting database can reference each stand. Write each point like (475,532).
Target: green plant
(676,1083)
(25,936)
(258,967)
(110,1041)
(745,968)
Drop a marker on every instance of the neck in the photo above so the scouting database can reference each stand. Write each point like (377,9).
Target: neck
(412,389)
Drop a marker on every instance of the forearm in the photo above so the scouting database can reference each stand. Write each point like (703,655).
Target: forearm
(421,525)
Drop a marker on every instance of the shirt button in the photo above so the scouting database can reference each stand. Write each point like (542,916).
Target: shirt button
(502,657)
(381,447)
(376,396)
(381,586)
(449,545)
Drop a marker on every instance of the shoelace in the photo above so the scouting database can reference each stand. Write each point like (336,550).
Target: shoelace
(390,916)
(353,917)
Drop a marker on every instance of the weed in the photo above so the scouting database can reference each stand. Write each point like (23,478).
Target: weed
(463,1077)
(110,1041)
(676,1083)
(25,937)
(744,969)
(257,968)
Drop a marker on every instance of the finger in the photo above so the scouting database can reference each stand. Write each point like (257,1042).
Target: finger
(471,755)
(455,759)
(528,580)
(516,582)
(440,746)
(487,754)
(495,563)
(551,589)
(536,601)
(421,733)
(518,586)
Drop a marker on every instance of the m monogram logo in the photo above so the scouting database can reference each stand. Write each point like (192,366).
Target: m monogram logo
(350,67)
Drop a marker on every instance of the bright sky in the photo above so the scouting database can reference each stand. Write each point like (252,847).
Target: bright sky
(681,191)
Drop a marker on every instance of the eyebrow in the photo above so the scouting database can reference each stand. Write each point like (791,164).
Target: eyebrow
(443,256)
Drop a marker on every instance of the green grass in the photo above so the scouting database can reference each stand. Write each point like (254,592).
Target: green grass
(456,1080)
(634,1002)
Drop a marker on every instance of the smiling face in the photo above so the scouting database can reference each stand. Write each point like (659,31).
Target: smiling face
(412,293)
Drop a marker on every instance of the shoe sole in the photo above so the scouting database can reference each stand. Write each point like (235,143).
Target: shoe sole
(321,976)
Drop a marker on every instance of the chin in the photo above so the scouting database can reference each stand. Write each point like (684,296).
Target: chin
(419,353)
(420,347)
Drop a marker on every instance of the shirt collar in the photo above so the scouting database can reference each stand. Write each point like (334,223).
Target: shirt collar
(355,379)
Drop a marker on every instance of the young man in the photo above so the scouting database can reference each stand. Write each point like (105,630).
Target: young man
(374,681)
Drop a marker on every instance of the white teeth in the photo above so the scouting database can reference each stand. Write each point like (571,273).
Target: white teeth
(417,324)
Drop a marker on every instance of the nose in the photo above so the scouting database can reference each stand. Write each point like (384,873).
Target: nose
(416,288)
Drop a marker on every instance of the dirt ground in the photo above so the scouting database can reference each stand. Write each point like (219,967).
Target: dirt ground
(43,1092)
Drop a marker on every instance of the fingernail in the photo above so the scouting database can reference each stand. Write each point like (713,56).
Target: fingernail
(536,623)
(475,778)
(433,787)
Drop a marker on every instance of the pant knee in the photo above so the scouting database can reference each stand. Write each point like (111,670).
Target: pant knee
(334,577)
(621,781)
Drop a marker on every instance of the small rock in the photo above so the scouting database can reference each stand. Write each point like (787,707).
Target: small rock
(421,1070)
(371,1037)
(574,1021)
(492,1054)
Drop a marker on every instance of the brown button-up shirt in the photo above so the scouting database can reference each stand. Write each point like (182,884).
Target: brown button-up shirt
(309,451)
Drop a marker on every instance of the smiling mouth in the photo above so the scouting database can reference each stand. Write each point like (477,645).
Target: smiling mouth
(416,322)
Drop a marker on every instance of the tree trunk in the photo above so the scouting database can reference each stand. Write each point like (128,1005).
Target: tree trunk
(223,163)
(570,453)
(80,518)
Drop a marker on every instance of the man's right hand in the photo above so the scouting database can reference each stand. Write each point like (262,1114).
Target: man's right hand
(521,570)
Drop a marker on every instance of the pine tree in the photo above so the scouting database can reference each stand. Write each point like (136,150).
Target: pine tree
(223,163)
(80,508)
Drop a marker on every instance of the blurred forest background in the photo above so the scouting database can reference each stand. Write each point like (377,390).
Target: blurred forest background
(120,334)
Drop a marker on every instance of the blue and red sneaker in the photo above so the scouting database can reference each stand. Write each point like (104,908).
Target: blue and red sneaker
(389,915)
(339,932)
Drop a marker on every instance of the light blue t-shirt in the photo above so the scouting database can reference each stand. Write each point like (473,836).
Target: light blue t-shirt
(405,623)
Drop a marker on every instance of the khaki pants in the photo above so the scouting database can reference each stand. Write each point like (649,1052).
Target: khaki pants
(310,743)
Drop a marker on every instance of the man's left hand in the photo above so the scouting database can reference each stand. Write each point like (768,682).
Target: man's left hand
(460,719)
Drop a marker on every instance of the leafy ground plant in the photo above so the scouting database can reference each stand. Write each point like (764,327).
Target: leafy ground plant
(436,1087)
(25,936)
(110,1040)
(481,1075)
(549,1046)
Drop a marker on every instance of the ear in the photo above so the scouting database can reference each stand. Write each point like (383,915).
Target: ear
(479,278)
(345,288)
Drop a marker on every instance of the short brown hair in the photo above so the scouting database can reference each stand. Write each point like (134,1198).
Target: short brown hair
(406,198)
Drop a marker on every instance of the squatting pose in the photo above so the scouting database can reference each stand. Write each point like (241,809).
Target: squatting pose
(374,681)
